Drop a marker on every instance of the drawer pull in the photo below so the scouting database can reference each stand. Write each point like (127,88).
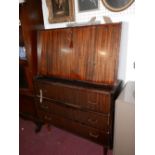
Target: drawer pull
(92,121)
(41,96)
(72,105)
(93,135)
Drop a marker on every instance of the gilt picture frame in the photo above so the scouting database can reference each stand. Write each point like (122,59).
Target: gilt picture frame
(60,10)
(117,5)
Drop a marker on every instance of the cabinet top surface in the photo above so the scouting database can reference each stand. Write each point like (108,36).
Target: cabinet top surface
(83,26)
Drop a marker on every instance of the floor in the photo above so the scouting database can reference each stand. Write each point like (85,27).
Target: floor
(54,142)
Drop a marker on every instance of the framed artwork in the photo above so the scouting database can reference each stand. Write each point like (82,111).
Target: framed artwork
(117,5)
(87,5)
(60,10)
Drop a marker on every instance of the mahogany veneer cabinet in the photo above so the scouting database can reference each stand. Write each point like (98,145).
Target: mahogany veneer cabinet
(77,81)
(87,53)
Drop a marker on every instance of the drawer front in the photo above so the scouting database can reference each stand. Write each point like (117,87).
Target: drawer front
(88,118)
(76,128)
(59,93)
(76,96)
(97,101)
(94,120)
(55,108)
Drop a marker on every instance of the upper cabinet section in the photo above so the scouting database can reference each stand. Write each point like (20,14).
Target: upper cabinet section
(87,53)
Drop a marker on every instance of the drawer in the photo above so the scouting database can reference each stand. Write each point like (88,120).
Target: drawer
(99,102)
(94,120)
(88,118)
(55,108)
(85,131)
(59,93)
(79,97)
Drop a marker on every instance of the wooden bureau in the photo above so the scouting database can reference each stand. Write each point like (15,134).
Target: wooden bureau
(86,53)
(81,108)
(77,81)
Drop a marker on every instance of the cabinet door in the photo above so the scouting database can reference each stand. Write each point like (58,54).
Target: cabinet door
(83,53)
(95,53)
(87,53)
(107,44)
(54,52)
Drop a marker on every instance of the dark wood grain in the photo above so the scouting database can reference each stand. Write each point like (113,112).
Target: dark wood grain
(27,106)
(31,18)
(88,53)
(69,105)
(85,131)
(92,119)
(80,97)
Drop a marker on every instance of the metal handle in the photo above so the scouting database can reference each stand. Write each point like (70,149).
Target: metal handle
(71,105)
(93,135)
(92,120)
(41,96)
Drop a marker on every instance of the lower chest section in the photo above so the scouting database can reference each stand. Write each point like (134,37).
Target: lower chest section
(82,111)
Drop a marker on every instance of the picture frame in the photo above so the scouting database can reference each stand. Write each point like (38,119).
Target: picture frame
(60,10)
(117,5)
(88,5)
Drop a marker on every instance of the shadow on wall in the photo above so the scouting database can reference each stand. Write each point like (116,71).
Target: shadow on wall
(123,52)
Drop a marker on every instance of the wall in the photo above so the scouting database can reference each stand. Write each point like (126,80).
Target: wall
(126,71)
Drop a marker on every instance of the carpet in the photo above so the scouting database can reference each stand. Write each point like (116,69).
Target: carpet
(54,142)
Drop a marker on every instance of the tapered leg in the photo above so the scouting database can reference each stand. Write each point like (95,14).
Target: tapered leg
(38,126)
(48,127)
(105,150)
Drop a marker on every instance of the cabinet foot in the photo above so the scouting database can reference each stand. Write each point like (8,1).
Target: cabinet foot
(38,126)
(48,127)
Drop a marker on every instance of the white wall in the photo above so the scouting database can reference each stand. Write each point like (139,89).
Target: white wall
(127,53)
